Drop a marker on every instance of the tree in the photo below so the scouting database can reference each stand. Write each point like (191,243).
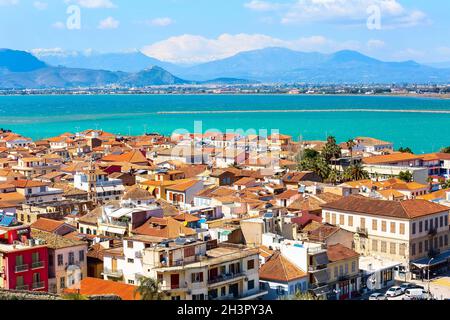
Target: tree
(301,296)
(356,172)
(350,145)
(445,184)
(405,176)
(445,150)
(74,296)
(149,289)
(331,149)
(334,177)
(405,150)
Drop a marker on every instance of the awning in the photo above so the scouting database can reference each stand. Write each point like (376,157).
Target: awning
(423,263)
(321,259)
(321,276)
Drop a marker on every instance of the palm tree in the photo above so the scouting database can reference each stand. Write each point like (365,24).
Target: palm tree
(334,177)
(350,145)
(331,149)
(149,289)
(356,172)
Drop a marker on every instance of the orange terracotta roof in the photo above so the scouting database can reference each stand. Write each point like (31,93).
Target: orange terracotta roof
(279,269)
(391,158)
(94,286)
(182,187)
(134,156)
(338,252)
(48,225)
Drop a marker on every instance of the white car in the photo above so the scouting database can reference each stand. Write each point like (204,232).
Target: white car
(394,292)
(416,294)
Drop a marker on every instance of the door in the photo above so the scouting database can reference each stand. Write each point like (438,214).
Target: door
(174,281)
(234,290)
(114,265)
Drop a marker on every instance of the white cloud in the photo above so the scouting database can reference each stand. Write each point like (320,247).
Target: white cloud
(258,5)
(5,3)
(40,5)
(375,44)
(161,22)
(393,13)
(93,4)
(108,23)
(59,25)
(195,49)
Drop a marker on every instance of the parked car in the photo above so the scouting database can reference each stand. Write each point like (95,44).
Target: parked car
(416,294)
(394,292)
(405,286)
(377,296)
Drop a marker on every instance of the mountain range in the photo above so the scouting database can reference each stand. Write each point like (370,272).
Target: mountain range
(19,69)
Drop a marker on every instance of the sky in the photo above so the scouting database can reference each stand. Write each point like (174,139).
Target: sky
(195,31)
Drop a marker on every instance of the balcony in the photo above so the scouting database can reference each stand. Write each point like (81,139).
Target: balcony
(225,277)
(432,232)
(37,265)
(113,273)
(23,288)
(38,285)
(22,268)
(362,231)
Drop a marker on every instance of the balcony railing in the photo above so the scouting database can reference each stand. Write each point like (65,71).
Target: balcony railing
(37,265)
(23,288)
(22,268)
(362,231)
(432,232)
(38,285)
(225,277)
(113,273)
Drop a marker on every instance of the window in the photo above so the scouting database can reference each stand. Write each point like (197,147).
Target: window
(250,264)
(392,227)
(130,244)
(333,218)
(62,282)
(374,245)
(81,255)
(426,225)
(363,223)
(383,246)
(350,221)
(414,228)
(402,250)
(413,249)
(374,225)
(223,291)
(81,230)
(336,272)
(446,220)
(446,240)
(426,245)
(383,226)
(441,221)
(341,220)
(60,260)
(189,252)
(341,270)
(19,261)
(198,297)
(71,258)
(130,281)
(441,241)
(197,277)
(130,260)
(402,228)
(327,218)
(346,268)
(420,247)
(393,248)
(420,227)
(354,266)
(251,285)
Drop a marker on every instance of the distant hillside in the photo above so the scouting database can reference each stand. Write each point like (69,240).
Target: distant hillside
(284,65)
(126,62)
(19,61)
(36,74)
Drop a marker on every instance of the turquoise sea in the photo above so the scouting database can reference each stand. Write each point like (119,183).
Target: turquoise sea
(342,116)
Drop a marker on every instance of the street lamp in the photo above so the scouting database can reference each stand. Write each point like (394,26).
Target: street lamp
(429,262)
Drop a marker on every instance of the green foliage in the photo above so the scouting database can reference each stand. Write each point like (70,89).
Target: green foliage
(356,172)
(445,184)
(405,176)
(331,149)
(445,150)
(149,289)
(302,296)
(74,296)
(405,150)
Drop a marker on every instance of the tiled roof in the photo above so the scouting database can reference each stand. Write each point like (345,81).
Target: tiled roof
(165,228)
(338,252)
(408,209)
(54,241)
(391,158)
(48,225)
(279,269)
(93,286)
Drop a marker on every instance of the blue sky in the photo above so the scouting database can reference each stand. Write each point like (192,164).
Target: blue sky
(191,31)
